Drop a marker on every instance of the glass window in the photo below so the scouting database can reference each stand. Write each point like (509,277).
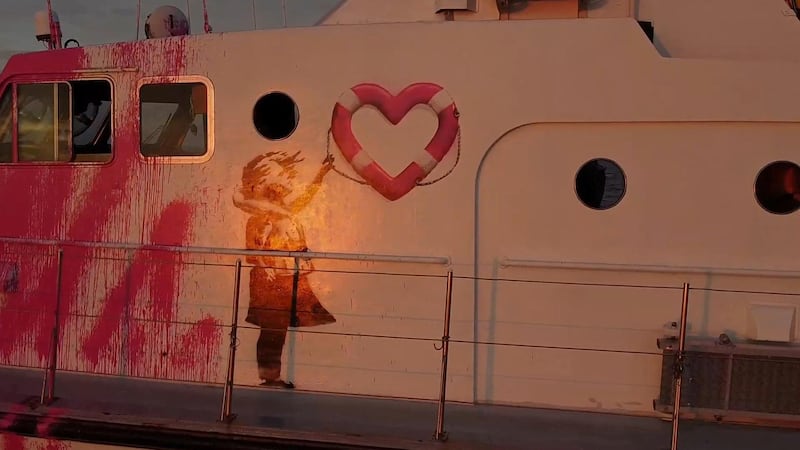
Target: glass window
(57,122)
(778,187)
(276,116)
(91,120)
(44,125)
(174,119)
(6,128)
(600,184)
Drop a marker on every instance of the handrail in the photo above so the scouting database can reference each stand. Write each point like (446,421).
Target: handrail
(438,260)
(575,265)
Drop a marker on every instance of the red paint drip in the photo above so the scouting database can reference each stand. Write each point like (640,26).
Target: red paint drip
(198,344)
(156,276)
(25,318)
(163,59)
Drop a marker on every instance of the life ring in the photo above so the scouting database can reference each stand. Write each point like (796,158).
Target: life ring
(395,108)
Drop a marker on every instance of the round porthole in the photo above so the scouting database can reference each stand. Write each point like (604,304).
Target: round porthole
(276,116)
(600,184)
(778,187)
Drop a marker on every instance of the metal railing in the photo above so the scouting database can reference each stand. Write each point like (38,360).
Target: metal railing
(60,314)
(49,384)
(226,415)
(53,364)
(678,370)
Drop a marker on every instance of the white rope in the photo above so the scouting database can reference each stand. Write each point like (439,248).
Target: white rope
(189,14)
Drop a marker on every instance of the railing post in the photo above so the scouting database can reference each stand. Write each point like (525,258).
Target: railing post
(678,368)
(227,396)
(440,434)
(49,385)
(294,321)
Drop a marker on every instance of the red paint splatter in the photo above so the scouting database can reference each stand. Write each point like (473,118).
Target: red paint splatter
(43,429)
(156,274)
(27,190)
(53,444)
(102,215)
(45,425)
(198,344)
(17,442)
(12,442)
(11,417)
(162,59)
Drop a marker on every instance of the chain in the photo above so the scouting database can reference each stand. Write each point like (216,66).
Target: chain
(328,154)
(419,183)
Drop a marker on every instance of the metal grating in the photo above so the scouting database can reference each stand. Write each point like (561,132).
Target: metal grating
(769,385)
(749,378)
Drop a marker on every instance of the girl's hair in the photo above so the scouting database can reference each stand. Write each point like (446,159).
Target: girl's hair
(278,166)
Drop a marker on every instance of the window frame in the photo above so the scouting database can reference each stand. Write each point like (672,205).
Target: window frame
(113,113)
(210,135)
(759,201)
(622,172)
(13,84)
(10,89)
(15,159)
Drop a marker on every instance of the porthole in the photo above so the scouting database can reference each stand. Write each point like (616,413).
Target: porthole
(275,116)
(600,184)
(778,187)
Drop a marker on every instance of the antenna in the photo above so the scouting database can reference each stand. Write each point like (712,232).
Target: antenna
(189,14)
(48,28)
(283,12)
(138,17)
(206,25)
(254,14)
(55,26)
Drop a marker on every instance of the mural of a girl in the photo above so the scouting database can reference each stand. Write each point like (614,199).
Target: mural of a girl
(268,182)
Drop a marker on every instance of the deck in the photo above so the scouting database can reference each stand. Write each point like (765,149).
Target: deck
(143,413)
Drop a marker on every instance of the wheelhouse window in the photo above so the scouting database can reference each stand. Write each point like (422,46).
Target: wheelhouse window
(174,120)
(56,122)
(92,120)
(44,127)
